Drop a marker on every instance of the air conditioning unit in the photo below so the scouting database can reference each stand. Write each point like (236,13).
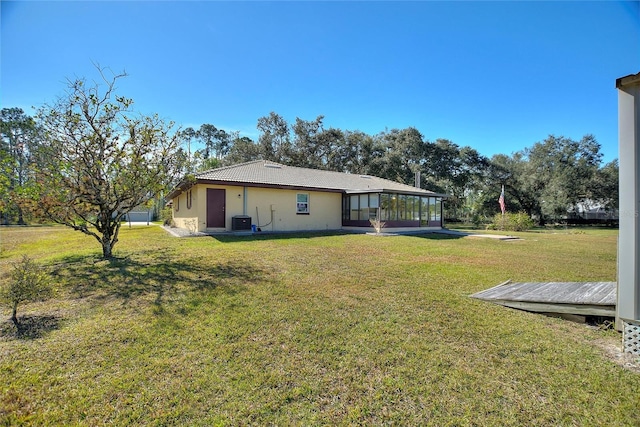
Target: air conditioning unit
(241,222)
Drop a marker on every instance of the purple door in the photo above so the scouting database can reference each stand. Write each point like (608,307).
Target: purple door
(215,208)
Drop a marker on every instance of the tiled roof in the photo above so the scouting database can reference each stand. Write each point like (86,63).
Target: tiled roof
(266,173)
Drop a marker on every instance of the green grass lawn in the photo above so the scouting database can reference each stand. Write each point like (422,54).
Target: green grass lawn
(307,330)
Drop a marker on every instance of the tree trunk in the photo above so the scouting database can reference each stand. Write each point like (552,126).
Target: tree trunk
(20,216)
(107,245)
(109,236)
(106,248)
(14,315)
(541,219)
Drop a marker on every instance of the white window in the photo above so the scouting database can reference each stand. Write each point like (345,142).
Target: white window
(364,207)
(374,201)
(302,204)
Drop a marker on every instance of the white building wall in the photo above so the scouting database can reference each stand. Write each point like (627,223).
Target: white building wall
(628,304)
(271,209)
(629,236)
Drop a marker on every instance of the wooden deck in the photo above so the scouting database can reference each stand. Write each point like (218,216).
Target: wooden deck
(572,298)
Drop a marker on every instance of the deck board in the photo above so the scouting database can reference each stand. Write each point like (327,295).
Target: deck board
(590,298)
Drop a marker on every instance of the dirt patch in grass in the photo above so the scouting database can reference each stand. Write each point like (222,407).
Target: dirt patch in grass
(616,354)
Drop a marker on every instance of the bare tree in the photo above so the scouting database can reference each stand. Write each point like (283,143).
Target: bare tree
(99,160)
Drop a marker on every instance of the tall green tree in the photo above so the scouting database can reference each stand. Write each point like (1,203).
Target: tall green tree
(606,188)
(561,171)
(243,149)
(207,134)
(553,177)
(331,140)
(188,136)
(275,138)
(403,154)
(510,171)
(308,150)
(359,153)
(99,160)
(208,164)
(6,164)
(222,143)
(19,135)
(314,146)
(457,171)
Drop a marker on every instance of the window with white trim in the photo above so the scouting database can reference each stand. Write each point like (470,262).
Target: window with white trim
(302,204)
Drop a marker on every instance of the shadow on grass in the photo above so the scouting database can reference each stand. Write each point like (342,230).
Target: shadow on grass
(150,273)
(276,235)
(229,238)
(30,327)
(438,236)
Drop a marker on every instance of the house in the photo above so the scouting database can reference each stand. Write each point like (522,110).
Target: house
(590,212)
(267,196)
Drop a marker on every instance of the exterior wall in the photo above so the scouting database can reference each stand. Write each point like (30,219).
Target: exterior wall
(183,216)
(233,205)
(276,209)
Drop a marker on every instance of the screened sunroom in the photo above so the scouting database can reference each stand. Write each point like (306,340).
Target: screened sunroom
(396,210)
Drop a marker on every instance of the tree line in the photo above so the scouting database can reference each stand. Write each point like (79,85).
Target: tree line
(90,141)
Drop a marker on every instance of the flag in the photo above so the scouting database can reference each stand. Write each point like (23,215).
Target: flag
(501,201)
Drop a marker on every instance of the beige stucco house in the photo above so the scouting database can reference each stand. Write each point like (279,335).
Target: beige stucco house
(267,196)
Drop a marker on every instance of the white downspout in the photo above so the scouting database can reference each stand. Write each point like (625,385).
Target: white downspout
(244,201)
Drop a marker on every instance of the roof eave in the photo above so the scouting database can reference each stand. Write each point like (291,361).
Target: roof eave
(175,192)
(416,192)
(185,184)
(268,185)
(630,80)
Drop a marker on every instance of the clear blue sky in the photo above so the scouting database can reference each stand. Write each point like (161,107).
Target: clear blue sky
(497,76)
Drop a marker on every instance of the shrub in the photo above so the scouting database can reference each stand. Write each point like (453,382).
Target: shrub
(377,225)
(479,220)
(511,222)
(27,282)
(166,215)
